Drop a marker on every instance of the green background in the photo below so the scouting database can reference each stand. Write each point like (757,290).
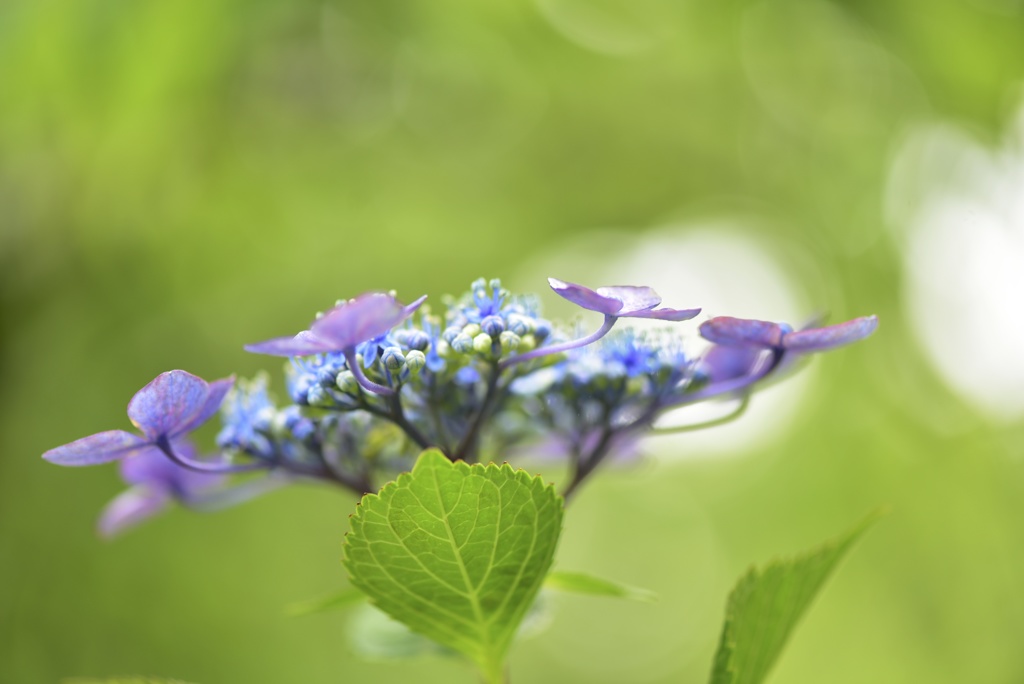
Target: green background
(178,179)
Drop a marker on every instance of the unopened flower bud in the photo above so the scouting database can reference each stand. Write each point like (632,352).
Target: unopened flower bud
(346,382)
(415,360)
(527,343)
(482,343)
(450,334)
(462,343)
(393,358)
(509,341)
(472,330)
(493,325)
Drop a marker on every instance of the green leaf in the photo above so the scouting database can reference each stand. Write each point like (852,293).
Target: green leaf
(457,552)
(336,601)
(582,583)
(766,605)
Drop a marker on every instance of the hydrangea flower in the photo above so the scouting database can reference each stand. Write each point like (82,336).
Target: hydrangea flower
(743,332)
(172,405)
(747,350)
(444,380)
(342,329)
(620,301)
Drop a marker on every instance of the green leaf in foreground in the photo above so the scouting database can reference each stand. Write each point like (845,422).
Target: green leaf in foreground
(457,552)
(582,583)
(767,603)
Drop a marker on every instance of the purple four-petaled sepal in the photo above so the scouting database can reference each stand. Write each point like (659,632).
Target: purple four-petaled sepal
(173,404)
(620,301)
(742,332)
(342,328)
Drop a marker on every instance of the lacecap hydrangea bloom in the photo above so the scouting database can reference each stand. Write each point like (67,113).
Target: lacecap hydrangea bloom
(373,382)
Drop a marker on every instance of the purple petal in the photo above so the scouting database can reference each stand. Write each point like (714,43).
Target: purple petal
(218,389)
(303,344)
(633,298)
(151,467)
(130,508)
(820,339)
(410,309)
(167,403)
(365,317)
(725,363)
(585,297)
(95,449)
(665,314)
(738,332)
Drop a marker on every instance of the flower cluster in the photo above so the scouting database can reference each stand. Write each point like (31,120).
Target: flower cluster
(372,382)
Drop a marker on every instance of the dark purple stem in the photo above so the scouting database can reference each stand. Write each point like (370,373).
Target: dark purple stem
(364,382)
(164,445)
(609,321)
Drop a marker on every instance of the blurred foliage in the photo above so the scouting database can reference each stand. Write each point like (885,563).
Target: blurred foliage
(177,179)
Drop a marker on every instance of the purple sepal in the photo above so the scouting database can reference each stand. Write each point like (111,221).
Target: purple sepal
(829,337)
(739,332)
(634,298)
(674,315)
(410,309)
(585,297)
(365,317)
(167,402)
(621,301)
(722,363)
(344,327)
(175,402)
(303,344)
(95,449)
(216,391)
(129,508)
(172,404)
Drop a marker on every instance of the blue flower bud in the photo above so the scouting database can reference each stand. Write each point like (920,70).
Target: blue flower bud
(482,343)
(418,340)
(415,360)
(520,325)
(393,358)
(493,325)
(462,343)
(450,334)
(326,375)
(541,329)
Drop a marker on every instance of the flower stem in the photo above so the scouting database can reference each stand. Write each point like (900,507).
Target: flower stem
(722,420)
(609,321)
(364,382)
(164,445)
